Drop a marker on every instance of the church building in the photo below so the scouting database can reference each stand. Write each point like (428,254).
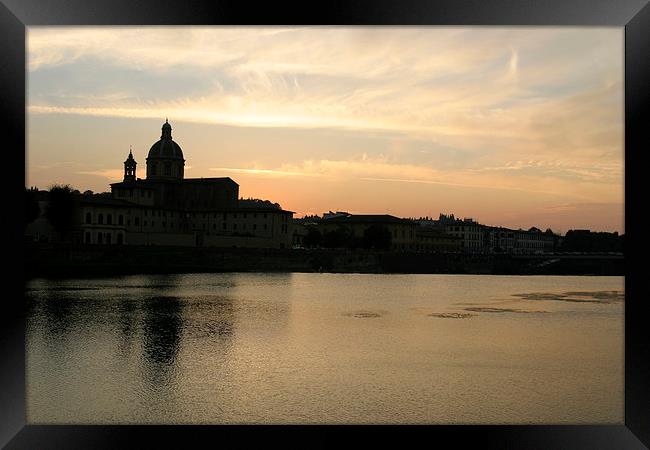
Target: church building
(166,208)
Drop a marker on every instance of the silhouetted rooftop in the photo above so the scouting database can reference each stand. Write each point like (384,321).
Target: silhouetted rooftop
(210,180)
(98,199)
(366,218)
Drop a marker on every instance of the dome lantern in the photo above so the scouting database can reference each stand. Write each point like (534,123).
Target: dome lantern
(166,130)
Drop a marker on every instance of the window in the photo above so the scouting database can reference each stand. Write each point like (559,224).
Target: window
(120,219)
(87,237)
(108,238)
(225,226)
(120,238)
(109,219)
(168,169)
(89,218)
(137,221)
(99,238)
(234,226)
(100,218)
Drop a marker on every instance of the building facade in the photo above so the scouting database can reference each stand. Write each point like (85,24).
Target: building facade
(520,242)
(468,231)
(402,231)
(433,241)
(166,208)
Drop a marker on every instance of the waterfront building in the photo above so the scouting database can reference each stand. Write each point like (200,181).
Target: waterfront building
(479,238)
(166,208)
(532,241)
(468,230)
(402,231)
(429,240)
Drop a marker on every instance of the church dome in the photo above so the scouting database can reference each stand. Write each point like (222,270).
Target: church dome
(165,160)
(165,148)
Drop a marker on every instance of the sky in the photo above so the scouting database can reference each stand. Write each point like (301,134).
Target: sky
(511,126)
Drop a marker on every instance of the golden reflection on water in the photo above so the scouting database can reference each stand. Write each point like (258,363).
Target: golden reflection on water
(325,348)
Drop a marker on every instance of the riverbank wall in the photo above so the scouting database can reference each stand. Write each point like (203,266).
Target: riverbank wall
(65,260)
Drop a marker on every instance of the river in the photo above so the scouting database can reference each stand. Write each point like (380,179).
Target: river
(325,348)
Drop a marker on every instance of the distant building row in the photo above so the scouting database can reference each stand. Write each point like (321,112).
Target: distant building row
(447,234)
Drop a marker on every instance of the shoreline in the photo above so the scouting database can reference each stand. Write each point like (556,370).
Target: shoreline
(61,261)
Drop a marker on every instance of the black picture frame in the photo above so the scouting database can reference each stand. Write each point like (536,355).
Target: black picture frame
(16,15)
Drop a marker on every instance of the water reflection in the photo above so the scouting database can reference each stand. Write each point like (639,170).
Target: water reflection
(127,314)
(163,324)
(59,314)
(248,348)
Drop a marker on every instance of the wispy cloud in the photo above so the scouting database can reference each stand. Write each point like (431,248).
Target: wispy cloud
(382,169)
(270,172)
(111,174)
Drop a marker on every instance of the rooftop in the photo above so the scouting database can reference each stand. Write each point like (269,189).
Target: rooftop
(366,218)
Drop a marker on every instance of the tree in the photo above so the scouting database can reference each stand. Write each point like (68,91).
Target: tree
(377,236)
(336,238)
(589,241)
(313,237)
(60,209)
(32,210)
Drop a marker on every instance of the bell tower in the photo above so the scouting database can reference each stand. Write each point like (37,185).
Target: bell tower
(129,167)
